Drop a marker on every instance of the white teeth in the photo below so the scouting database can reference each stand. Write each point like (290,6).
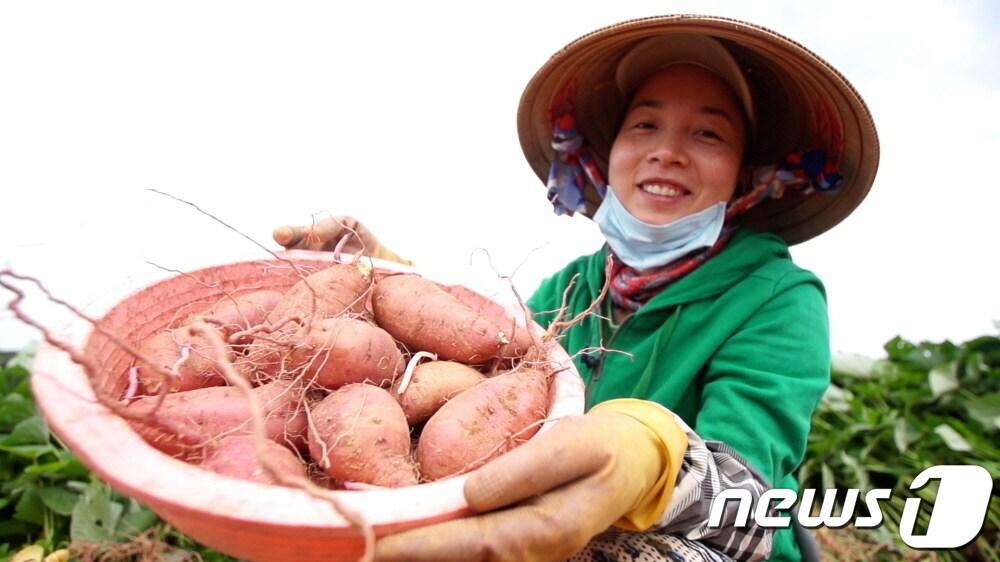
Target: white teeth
(666,190)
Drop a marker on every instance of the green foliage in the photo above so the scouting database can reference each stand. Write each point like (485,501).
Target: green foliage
(47,497)
(883,422)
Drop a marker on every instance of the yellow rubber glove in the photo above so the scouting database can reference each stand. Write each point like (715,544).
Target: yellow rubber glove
(673,442)
(30,553)
(61,555)
(615,465)
(326,233)
(34,553)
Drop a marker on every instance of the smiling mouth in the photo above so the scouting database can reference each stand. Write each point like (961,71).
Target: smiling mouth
(664,190)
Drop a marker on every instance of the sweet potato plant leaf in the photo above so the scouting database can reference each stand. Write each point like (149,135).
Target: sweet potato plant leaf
(984,344)
(12,377)
(897,348)
(13,409)
(79,487)
(30,431)
(923,356)
(58,499)
(18,381)
(985,410)
(136,519)
(67,467)
(860,474)
(837,399)
(14,528)
(829,481)
(903,434)
(952,438)
(885,368)
(30,452)
(95,516)
(973,368)
(943,379)
(30,507)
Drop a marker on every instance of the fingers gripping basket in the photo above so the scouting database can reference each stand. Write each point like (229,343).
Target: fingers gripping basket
(244,519)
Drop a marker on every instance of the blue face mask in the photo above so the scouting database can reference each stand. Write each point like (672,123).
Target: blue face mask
(645,246)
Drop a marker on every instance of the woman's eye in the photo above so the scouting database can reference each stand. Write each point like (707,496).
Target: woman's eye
(709,134)
(643,125)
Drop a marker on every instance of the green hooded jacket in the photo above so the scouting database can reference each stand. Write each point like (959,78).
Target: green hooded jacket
(739,349)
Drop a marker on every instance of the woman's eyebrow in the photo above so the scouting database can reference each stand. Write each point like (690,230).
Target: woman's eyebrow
(655,104)
(706,109)
(711,110)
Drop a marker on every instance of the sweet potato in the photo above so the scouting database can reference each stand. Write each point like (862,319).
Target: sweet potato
(520,338)
(325,294)
(236,456)
(359,434)
(339,288)
(188,422)
(241,312)
(425,317)
(482,423)
(433,384)
(189,358)
(339,351)
(265,357)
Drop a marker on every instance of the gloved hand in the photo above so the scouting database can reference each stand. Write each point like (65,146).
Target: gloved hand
(326,233)
(560,489)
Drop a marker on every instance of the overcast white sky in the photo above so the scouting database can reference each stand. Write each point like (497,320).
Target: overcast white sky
(404,115)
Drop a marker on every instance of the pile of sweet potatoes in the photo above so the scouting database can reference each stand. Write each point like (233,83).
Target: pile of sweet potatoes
(361,378)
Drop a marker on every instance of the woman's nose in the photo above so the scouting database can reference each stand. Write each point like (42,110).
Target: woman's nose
(668,149)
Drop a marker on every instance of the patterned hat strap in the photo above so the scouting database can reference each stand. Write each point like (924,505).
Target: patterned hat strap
(571,170)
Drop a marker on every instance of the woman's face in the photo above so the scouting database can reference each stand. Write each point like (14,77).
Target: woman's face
(680,146)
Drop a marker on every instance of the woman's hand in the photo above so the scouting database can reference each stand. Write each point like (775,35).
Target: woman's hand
(342,232)
(559,489)
(325,234)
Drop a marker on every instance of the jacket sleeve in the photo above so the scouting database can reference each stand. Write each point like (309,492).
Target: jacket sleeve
(764,384)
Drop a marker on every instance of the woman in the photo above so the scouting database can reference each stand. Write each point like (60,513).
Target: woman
(722,143)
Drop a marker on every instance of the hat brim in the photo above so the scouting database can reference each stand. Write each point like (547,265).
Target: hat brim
(801,102)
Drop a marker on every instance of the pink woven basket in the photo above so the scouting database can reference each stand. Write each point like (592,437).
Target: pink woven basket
(243,519)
